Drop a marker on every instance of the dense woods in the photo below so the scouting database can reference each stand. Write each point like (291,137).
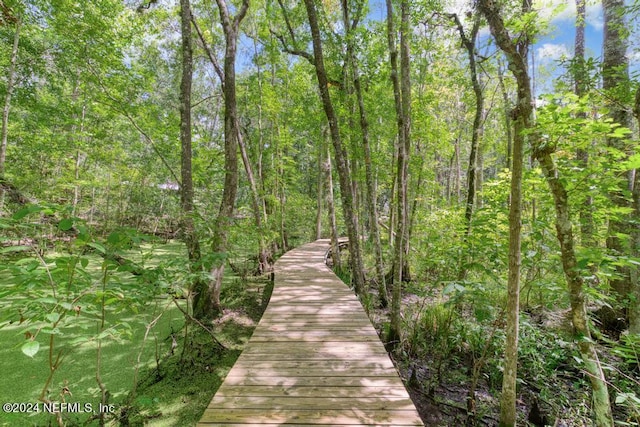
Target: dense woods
(488,189)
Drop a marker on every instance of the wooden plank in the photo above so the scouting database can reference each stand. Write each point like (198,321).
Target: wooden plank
(310,348)
(266,424)
(334,365)
(325,403)
(311,391)
(312,336)
(319,357)
(311,372)
(352,416)
(289,381)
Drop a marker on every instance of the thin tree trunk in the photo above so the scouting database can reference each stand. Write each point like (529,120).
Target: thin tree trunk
(402,97)
(192,243)
(522,114)
(11,77)
(393,192)
(257,207)
(470,45)
(366,144)
(507,116)
(78,162)
(615,81)
(230,27)
(320,196)
(516,54)
(580,85)
(331,211)
(357,271)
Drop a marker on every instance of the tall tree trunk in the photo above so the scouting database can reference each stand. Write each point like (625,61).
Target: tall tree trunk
(516,54)
(402,98)
(199,286)
(580,87)
(366,144)
(257,206)
(350,216)
(11,77)
(257,202)
(320,195)
(507,116)
(470,45)
(615,81)
(230,26)
(634,308)
(331,210)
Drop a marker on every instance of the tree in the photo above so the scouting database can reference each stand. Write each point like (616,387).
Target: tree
(469,43)
(401,81)
(186,188)
(346,193)
(615,81)
(207,304)
(581,77)
(516,55)
(352,61)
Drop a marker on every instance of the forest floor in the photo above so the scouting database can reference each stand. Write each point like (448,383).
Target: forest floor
(444,404)
(551,389)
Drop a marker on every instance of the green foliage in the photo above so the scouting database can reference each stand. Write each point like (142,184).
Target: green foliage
(70,301)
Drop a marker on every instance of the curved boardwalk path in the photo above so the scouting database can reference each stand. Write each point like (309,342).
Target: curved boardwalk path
(314,359)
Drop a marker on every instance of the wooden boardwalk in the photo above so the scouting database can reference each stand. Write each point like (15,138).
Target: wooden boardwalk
(313,360)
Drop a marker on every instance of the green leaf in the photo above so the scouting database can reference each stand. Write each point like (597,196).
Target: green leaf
(453,287)
(53,317)
(26,211)
(30,348)
(98,247)
(65,224)
(14,249)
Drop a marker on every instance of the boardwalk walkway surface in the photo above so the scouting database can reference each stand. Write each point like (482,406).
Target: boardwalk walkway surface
(314,359)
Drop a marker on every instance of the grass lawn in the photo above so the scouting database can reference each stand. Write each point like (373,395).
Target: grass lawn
(171,393)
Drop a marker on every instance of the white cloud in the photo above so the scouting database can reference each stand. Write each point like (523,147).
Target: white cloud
(552,52)
(563,12)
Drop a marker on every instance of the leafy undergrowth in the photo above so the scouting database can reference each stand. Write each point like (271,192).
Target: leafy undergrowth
(448,351)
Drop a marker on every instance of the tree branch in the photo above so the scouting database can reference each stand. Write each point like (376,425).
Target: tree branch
(240,15)
(208,51)
(199,323)
(293,51)
(304,54)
